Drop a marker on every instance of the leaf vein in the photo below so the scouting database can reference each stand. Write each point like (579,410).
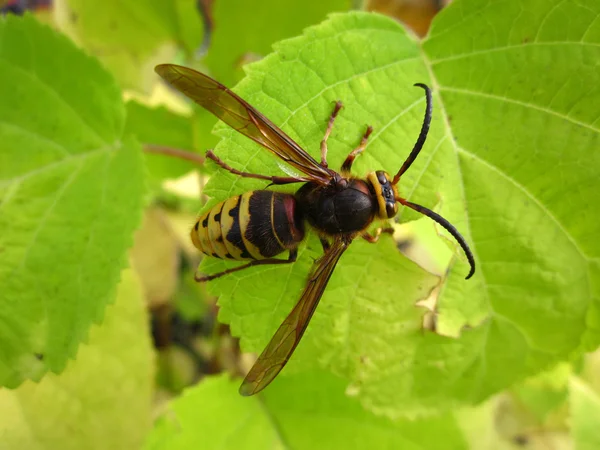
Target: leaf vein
(37,136)
(521,103)
(510,47)
(53,165)
(530,196)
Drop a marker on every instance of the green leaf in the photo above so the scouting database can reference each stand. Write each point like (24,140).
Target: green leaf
(102,400)
(585,415)
(510,161)
(519,133)
(213,415)
(302,412)
(130,38)
(71,187)
(244,30)
(522,144)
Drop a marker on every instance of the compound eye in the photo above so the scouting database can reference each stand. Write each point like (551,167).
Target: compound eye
(391,209)
(382,178)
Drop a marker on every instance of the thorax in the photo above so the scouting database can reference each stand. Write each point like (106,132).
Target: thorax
(334,209)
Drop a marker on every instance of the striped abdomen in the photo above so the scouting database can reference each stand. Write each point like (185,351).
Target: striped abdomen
(254,225)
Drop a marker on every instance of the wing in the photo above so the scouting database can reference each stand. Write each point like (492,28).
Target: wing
(287,337)
(239,115)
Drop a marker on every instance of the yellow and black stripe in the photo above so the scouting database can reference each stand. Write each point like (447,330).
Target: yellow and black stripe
(255,225)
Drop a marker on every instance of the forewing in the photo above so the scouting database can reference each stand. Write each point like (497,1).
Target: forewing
(239,115)
(279,350)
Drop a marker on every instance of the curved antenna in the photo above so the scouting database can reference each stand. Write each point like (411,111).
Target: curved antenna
(422,135)
(448,227)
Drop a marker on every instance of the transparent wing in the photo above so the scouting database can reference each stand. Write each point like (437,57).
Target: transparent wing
(286,339)
(239,115)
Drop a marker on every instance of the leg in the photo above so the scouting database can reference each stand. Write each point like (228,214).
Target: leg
(273,180)
(258,262)
(374,238)
(357,151)
(325,244)
(336,110)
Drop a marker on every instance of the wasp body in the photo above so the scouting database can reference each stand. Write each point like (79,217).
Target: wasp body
(259,225)
(255,225)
